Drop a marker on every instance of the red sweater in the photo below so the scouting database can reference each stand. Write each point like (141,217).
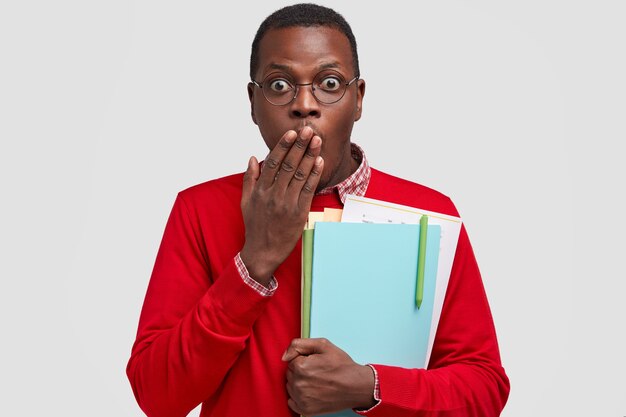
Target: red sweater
(207,337)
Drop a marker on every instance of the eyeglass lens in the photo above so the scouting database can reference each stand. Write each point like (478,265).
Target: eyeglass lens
(328,87)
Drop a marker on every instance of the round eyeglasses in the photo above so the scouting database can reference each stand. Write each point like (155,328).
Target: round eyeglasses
(328,87)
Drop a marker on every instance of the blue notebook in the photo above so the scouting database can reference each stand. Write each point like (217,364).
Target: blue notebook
(363,291)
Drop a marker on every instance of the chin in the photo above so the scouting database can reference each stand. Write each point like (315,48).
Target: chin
(320,187)
(326,178)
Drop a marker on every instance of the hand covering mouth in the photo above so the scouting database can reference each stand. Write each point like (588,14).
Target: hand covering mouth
(298,128)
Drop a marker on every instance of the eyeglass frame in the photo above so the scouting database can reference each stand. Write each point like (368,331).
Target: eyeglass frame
(346,84)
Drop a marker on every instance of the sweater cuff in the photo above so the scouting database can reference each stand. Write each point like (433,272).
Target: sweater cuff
(245,275)
(400,389)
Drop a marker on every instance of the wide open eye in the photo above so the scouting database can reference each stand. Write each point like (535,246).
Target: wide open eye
(279,85)
(330,83)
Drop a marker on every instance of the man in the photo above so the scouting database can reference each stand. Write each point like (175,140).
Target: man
(221,318)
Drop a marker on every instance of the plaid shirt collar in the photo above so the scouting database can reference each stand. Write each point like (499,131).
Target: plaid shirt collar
(357,182)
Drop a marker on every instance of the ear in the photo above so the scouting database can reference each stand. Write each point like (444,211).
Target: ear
(360,92)
(251,98)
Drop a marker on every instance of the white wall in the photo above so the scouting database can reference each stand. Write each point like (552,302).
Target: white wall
(514,109)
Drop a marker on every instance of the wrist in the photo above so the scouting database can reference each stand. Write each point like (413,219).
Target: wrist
(366,388)
(258,268)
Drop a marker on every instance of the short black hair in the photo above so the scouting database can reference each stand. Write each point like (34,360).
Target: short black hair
(303,15)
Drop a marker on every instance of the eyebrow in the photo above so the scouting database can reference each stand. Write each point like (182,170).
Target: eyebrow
(287,68)
(330,65)
(280,67)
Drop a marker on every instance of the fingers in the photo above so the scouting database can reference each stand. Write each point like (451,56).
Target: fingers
(301,175)
(291,158)
(291,162)
(310,185)
(294,407)
(274,160)
(250,178)
(291,392)
(304,347)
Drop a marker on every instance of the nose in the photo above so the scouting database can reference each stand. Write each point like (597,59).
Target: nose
(304,104)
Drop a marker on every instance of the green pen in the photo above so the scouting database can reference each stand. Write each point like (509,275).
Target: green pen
(421,261)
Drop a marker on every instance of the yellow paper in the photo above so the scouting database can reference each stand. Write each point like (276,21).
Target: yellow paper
(332,215)
(314,216)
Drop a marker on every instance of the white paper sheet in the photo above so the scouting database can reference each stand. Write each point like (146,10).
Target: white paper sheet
(367,210)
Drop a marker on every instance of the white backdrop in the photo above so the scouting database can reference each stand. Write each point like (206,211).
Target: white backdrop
(109,108)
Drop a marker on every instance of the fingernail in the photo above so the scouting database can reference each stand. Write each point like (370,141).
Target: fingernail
(306,130)
(318,161)
(292,135)
(316,142)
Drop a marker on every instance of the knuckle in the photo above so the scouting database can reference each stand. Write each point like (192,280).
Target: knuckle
(296,371)
(298,385)
(287,166)
(299,368)
(284,144)
(299,175)
(308,188)
(300,143)
(271,163)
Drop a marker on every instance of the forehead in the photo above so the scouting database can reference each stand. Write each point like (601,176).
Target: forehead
(304,50)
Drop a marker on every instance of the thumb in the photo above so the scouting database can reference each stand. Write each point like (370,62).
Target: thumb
(305,347)
(250,178)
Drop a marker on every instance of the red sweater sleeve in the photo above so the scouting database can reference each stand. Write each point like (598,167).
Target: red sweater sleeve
(192,327)
(464,376)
